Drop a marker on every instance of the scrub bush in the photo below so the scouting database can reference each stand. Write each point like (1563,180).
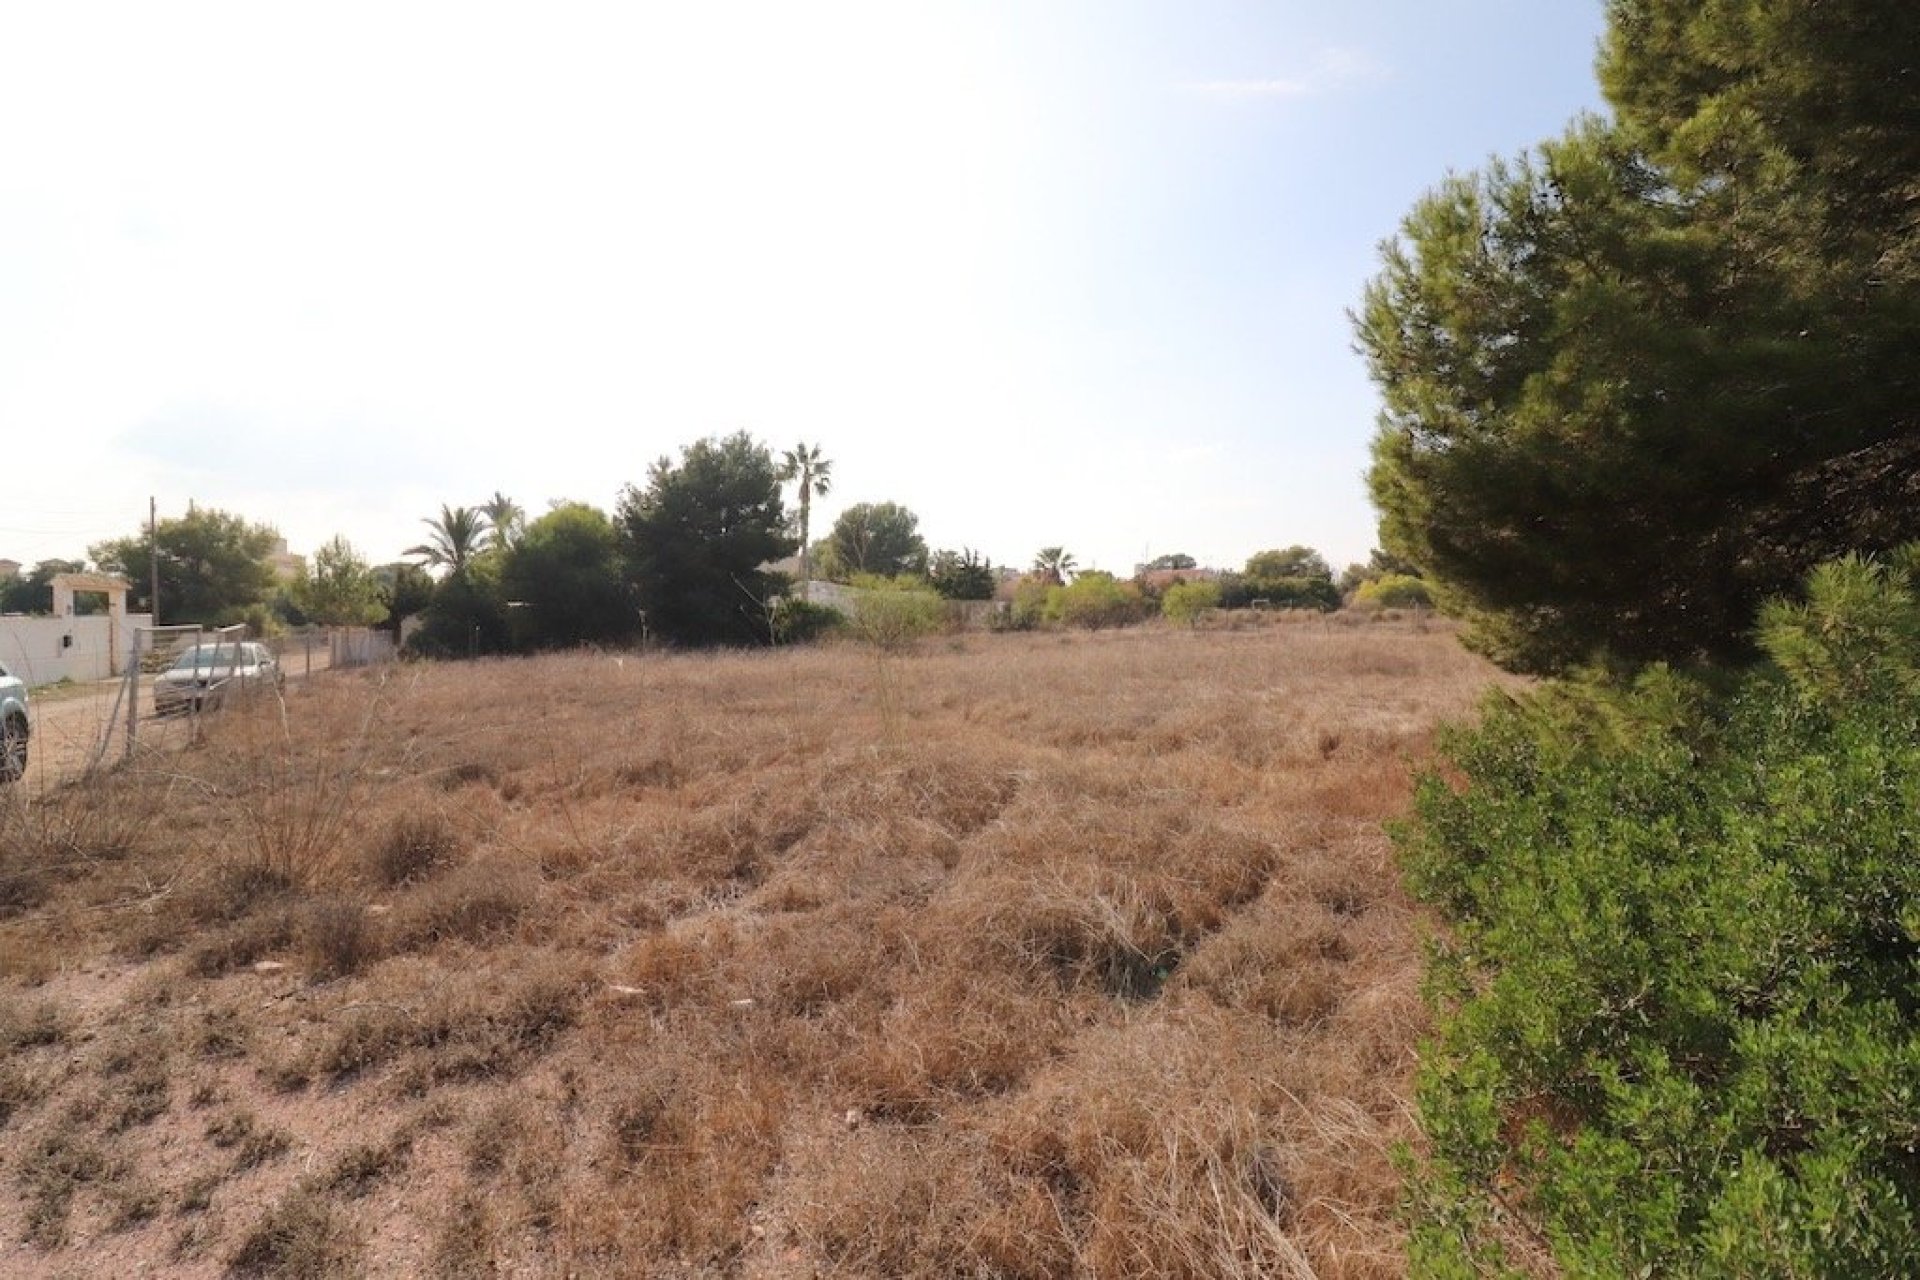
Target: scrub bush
(801,621)
(1679,997)
(1184,602)
(894,613)
(1393,591)
(1095,600)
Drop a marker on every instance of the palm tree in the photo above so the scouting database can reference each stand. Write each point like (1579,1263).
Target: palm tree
(454,540)
(1055,564)
(814,473)
(505,517)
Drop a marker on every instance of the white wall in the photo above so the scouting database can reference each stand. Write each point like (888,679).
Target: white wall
(48,650)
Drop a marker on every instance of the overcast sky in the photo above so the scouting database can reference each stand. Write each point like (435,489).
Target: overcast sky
(1044,272)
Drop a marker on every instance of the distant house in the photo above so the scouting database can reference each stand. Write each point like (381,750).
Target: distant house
(9,569)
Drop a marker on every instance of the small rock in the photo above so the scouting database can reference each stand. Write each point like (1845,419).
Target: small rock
(853,1117)
(379,909)
(268,966)
(624,991)
(742,1004)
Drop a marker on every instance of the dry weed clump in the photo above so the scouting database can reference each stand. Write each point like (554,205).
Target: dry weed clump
(921,1203)
(302,1235)
(52,1170)
(415,846)
(1109,896)
(949,1039)
(1165,1142)
(249,1142)
(1028,955)
(688,1145)
(470,1024)
(64,836)
(339,936)
(478,902)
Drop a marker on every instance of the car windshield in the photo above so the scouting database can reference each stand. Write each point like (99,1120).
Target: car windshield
(209,655)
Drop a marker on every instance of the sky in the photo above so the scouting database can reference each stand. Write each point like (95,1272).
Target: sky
(1045,272)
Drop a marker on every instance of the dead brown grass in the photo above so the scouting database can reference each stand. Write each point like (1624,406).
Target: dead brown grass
(1041,956)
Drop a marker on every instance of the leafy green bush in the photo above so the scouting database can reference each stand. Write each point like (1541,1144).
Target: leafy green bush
(802,621)
(1392,591)
(1678,1005)
(1029,608)
(892,613)
(1095,600)
(1242,591)
(1184,602)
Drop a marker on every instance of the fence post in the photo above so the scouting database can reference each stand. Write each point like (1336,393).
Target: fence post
(133,694)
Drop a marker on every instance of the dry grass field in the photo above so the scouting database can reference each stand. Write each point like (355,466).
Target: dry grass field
(1033,955)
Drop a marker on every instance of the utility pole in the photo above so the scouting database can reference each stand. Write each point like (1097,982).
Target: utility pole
(153,555)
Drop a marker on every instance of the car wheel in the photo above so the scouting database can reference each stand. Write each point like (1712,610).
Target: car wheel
(13,750)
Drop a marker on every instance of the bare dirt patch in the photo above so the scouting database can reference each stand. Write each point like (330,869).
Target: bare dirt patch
(1024,955)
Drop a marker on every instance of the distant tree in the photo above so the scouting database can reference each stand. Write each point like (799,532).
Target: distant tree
(506,520)
(564,584)
(962,575)
(1380,564)
(1055,564)
(1287,578)
(696,542)
(1240,591)
(338,588)
(804,467)
(1176,560)
(214,566)
(1290,562)
(825,563)
(880,538)
(453,539)
(468,616)
(33,591)
(405,589)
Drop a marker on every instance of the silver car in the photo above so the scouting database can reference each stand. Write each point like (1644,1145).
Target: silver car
(203,674)
(16,721)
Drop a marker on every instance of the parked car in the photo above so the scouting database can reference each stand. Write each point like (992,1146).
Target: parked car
(16,721)
(203,673)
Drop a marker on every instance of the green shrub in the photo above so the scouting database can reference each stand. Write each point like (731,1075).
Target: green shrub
(1242,591)
(893,613)
(1679,1000)
(961,575)
(1184,602)
(802,621)
(1029,607)
(1392,591)
(1095,600)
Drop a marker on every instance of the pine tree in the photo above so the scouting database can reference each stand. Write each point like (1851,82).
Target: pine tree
(1644,378)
